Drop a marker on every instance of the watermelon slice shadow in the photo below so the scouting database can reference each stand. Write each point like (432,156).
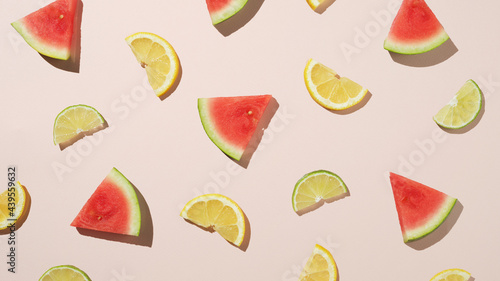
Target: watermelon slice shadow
(241,18)
(73,63)
(253,144)
(145,237)
(430,58)
(440,232)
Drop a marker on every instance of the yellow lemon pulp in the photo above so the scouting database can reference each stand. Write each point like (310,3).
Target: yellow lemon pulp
(330,90)
(314,3)
(316,186)
(454,274)
(64,273)
(218,212)
(320,266)
(12,202)
(74,120)
(158,57)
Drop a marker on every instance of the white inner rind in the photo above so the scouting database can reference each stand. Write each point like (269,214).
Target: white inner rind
(432,223)
(409,48)
(128,189)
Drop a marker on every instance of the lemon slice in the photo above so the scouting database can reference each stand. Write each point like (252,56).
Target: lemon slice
(320,266)
(316,186)
(217,212)
(10,213)
(462,109)
(75,120)
(158,57)
(64,273)
(454,274)
(330,90)
(314,4)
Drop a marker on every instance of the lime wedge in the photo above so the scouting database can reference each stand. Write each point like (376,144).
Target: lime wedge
(64,273)
(462,109)
(316,186)
(75,120)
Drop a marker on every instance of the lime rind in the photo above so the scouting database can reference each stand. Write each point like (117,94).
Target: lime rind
(463,108)
(320,194)
(64,111)
(48,277)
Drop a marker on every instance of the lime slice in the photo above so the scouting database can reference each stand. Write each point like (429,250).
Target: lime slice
(462,109)
(454,274)
(64,273)
(315,187)
(75,120)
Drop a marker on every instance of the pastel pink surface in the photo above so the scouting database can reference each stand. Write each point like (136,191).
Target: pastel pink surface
(162,148)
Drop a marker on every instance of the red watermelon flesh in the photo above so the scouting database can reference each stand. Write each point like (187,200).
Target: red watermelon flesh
(230,122)
(415,29)
(49,30)
(221,10)
(113,207)
(421,209)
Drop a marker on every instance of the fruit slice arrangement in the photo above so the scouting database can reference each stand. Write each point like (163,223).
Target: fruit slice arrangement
(217,212)
(113,207)
(230,122)
(159,59)
(74,121)
(415,29)
(64,273)
(49,30)
(320,266)
(221,10)
(329,90)
(315,187)
(462,109)
(421,209)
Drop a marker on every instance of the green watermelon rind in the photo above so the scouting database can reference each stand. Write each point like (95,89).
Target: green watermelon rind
(209,127)
(227,12)
(393,45)
(44,49)
(433,223)
(129,191)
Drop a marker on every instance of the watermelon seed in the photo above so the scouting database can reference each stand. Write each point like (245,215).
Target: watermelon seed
(61,16)
(143,64)
(99,218)
(249,112)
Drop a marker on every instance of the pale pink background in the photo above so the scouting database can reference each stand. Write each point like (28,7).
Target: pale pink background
(160,146)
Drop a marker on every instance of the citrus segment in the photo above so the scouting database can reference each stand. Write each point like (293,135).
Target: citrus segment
(219,213)
(320,266)
(11,209)
(462,109)
(64,273)
(330,90)
(158,57)
(454,274)
(316,186)
(75,120)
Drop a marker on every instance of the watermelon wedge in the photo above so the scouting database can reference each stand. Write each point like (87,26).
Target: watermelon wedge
(221,10)
(230,122)
(421,209)
(415,29)
(49,30)
(113,207)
